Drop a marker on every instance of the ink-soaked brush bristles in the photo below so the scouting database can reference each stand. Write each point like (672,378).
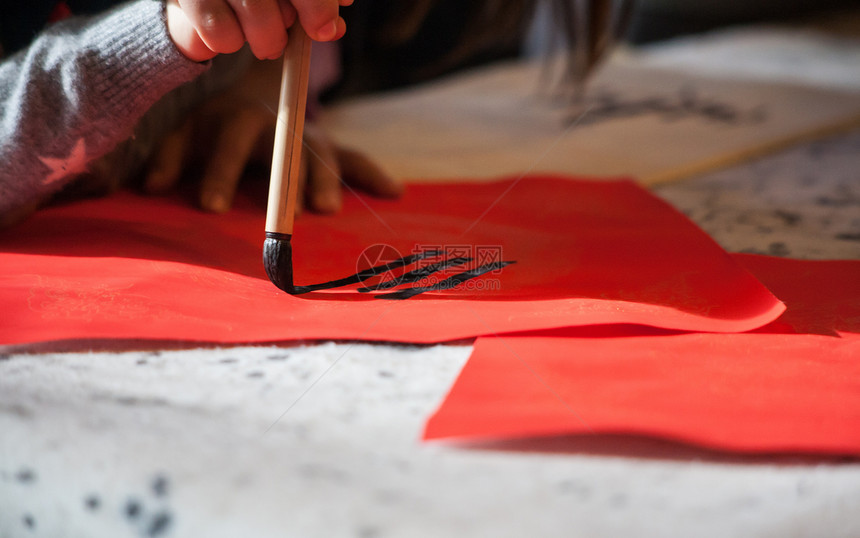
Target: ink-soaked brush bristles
(278,260)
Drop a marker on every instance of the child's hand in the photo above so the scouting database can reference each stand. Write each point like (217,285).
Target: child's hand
(236,128)
(202,29)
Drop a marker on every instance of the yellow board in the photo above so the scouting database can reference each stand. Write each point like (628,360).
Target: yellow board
(656,125)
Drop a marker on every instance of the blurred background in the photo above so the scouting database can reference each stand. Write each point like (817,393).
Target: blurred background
(661,19)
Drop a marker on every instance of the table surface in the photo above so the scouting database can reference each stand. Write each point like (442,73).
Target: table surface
(323,439)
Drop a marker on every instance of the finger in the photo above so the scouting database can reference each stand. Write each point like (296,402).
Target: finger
(230,155)
(288,13)
(166,165)
(324,193)
(319,18)
(341,28)
(215,23)
(262,26)
(361,172)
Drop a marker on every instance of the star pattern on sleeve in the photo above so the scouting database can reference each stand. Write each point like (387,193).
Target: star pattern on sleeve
(73,164)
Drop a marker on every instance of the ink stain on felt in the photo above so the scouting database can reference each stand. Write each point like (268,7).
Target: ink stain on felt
(159,524)
(160,486)
(29,521)
(132,509)
(25,476)
(92,503)
(574,488)
(369,532)
(152,523)
(618,500)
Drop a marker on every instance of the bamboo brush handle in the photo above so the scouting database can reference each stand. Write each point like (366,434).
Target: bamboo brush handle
(287,154)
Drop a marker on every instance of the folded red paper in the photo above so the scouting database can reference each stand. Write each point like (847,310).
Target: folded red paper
(793,385)
(490,258)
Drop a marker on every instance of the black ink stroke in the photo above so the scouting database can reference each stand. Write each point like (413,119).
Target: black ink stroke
(605,106)
(446,284)
(370,272)
(416,275)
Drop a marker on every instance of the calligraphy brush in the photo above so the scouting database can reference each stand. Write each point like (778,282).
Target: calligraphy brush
(286,161)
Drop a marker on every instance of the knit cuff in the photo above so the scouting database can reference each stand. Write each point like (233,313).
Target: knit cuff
(135,61)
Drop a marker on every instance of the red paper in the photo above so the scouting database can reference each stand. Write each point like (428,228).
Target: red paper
(793,385)
(131,267)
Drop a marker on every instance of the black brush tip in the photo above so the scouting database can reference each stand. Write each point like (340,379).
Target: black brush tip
(278,260)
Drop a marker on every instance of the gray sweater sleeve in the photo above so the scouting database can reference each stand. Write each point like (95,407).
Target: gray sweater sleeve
(77,91)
